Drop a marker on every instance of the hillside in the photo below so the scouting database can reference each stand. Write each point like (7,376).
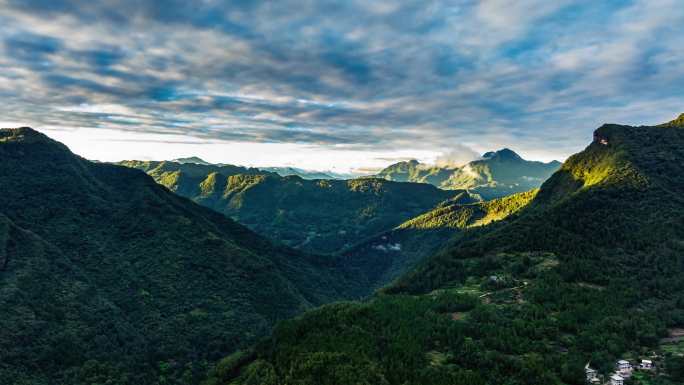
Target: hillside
(497,174)
(386,256)
(185,177)
(322,216)
(107,277)
(590,271)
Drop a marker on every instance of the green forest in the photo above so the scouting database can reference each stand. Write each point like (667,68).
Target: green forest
(589,271)
(112,277)
(321,216)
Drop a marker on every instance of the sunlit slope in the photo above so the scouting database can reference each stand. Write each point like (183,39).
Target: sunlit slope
(590,271)
(324,216)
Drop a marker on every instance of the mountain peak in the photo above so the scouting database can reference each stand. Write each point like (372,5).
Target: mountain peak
(22,134)
(191,159)
(18,138)
(678,122)
(503,154)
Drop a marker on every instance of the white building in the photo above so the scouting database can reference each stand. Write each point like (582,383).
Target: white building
(592,375)
(624,367)
(646,364)
(617,379)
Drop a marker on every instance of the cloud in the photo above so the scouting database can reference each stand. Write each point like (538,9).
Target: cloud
(457,156)
(535,75)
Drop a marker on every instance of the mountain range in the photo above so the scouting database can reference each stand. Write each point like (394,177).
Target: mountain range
(307,174)
(138,275)
(282,171)
(323,216)
(587,270)
(497,174)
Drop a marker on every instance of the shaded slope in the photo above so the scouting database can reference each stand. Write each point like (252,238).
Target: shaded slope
(51,313)
(185,282)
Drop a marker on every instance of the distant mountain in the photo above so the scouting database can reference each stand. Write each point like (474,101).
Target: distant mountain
(497,174)
(304,174)
(108,277)
(192,159)
(591,270)
(185,178)
(324,216)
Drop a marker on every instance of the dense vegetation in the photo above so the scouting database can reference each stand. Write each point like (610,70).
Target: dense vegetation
(497,174)
(321,216)
(590,271)
(106,277)
(384,257)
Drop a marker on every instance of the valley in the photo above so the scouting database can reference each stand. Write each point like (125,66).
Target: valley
(469,192)
(572,278)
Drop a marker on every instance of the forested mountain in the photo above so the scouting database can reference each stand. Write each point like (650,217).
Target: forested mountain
(106,277)
(497,174)
(590,270)
(384,257)
(323,216)
(185,178)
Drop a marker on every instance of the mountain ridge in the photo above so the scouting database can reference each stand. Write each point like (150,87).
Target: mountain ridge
(323,216)
(496,174)
(135,277)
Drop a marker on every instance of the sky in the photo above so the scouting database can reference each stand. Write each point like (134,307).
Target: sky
(336,85)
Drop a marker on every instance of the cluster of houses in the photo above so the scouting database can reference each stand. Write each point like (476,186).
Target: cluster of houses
(623,370)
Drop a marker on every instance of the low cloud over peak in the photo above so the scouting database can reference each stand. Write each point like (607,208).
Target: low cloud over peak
(456,157)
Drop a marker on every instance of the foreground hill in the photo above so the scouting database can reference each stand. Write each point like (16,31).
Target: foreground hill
(590,271)
(315,215)
(107,277)
(497,174)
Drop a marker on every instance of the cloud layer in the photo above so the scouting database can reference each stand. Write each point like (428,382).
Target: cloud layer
(533,75)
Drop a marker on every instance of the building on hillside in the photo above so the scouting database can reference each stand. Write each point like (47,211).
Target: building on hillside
(600,139)
(624,368)
(646,365)
(592,375)
(617,379)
